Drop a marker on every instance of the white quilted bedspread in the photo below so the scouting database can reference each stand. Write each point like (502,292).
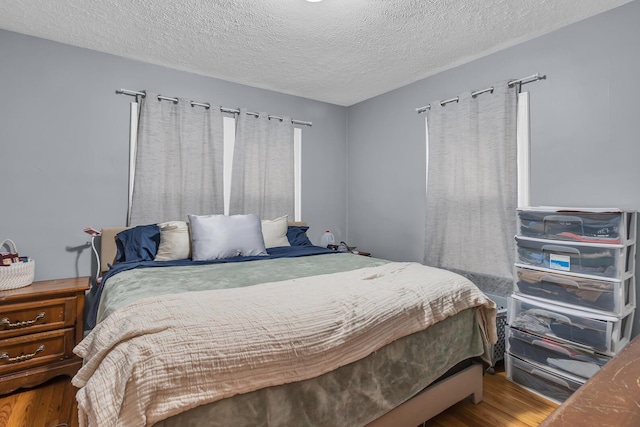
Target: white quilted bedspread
(161,356)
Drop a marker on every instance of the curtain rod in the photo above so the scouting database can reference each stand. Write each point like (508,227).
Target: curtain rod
(522,81)
(223,109)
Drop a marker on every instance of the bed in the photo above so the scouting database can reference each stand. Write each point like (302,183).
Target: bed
(304,336)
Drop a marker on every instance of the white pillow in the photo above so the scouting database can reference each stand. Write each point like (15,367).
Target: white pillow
(274,232)
(221,236)
(175,242)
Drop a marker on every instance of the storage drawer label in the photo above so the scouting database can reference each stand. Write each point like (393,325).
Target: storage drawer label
(560,262)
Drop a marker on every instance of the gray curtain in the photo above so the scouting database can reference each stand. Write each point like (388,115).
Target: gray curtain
(472,187)
(178,161)
(262,175)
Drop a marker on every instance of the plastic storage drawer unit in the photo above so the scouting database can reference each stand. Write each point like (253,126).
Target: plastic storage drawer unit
(610,226)
(549,384)
(553,355)
(613,261)
(602,333)
(608,296)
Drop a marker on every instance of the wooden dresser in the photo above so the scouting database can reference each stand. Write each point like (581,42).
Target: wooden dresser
(40,325)
(610,398)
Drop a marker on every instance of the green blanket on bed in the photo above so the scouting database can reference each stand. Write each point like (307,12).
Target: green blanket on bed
(132,285)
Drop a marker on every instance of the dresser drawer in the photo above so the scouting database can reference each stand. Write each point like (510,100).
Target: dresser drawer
(549,384)
(36,349)
(613,261)
(555,356)
(37,316)
(611,226)
(609,296)
(604,333)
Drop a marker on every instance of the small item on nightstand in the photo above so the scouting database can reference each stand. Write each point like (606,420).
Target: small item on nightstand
(15,271)
(8,258)
(327,239)
(343,247)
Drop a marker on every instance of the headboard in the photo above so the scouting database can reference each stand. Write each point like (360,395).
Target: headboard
(108,248)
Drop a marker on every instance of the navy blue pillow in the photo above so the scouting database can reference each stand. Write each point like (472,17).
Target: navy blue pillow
(138,243)
(297,236)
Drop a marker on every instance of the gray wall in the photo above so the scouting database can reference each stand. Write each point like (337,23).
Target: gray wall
(64,145)
(64,138)
(585,127)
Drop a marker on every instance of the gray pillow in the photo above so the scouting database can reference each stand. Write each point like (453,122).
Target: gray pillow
(221,236)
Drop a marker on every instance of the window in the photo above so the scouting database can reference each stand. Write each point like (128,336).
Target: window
(229,129)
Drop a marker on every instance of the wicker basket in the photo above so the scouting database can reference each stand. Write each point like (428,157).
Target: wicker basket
(18,274)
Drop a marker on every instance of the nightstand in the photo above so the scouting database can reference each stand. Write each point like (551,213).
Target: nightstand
(40,324)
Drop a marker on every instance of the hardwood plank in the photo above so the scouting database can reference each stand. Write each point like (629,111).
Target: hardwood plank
(48,405)
(7,405)
(21,411)
(489,415)
(504,404)
(522,403)
(67,408)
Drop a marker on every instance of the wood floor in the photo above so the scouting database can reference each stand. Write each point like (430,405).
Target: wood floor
(49,405)
(504,405)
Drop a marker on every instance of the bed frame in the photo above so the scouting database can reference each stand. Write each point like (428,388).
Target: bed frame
(435,399)
(415,411)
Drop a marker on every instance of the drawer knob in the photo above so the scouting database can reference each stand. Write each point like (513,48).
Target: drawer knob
(5,323)
(5,356)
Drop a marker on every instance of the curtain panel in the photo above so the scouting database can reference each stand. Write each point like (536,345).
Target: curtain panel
(472,185)
(262,175)
(179,161)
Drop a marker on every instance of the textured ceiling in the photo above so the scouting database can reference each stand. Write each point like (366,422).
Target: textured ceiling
(336,51)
